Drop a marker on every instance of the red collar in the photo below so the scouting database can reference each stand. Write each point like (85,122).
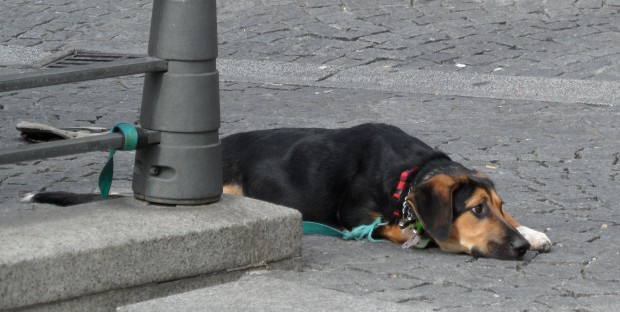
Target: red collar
(407,216)
(405,177)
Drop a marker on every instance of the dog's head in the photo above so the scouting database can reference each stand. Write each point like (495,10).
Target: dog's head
(462,213)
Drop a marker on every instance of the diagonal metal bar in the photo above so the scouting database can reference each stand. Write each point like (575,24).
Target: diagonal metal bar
(50,77)
(102,142)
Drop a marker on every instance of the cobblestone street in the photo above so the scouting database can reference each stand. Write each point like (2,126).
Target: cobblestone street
(555,161)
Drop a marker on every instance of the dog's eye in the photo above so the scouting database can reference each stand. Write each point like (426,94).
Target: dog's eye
(477,209)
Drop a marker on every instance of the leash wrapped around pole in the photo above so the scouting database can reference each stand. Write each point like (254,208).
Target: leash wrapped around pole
(130,143)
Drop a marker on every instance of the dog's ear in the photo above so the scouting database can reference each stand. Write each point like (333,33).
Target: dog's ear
(432,202)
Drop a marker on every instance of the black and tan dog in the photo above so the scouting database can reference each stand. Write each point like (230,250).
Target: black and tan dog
(348,177)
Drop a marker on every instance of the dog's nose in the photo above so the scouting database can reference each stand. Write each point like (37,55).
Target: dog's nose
(519,245)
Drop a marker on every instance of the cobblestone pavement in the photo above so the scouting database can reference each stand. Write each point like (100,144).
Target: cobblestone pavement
(572,39)
(551,38)
(556,164)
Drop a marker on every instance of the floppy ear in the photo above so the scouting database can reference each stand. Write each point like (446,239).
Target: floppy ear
(432,202)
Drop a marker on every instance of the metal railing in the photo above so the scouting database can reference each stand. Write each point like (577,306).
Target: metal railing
(178,160)
(50,77)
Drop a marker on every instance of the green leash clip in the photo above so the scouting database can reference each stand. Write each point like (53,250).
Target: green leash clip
(417,238)
(130,142)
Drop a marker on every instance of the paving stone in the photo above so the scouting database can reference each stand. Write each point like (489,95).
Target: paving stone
(590,4)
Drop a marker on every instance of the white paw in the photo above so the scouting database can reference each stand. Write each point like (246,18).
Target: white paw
(538,240)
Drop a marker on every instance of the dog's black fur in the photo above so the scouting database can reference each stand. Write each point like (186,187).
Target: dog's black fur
(333,176)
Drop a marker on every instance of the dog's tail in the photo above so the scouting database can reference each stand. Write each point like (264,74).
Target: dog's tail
(64,199)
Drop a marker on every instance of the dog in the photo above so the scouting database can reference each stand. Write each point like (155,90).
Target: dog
(351,176)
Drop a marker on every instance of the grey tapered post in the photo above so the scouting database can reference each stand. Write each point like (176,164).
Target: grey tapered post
(183,104)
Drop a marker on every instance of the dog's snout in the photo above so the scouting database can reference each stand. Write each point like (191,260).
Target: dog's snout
(519,245)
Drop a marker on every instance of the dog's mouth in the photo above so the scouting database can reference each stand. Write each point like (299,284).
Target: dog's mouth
(476,253)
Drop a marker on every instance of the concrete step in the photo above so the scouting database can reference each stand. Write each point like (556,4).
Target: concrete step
(261,293)
(98,256)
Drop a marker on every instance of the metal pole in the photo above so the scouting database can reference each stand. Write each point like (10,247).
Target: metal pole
(183,104)
(102,142)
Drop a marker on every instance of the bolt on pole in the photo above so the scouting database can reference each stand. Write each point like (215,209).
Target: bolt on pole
(183,104)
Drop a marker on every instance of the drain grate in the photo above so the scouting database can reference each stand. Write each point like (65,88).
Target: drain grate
(80,57)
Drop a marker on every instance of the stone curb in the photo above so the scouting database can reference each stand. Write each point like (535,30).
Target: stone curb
(57,254)
(260,293)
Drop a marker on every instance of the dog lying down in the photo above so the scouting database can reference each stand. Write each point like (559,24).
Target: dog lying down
(350,177)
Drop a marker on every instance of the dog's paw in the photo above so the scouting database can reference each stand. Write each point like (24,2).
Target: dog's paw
(538,240)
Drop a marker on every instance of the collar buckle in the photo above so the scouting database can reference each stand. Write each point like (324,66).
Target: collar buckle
(407,216)
(410,223)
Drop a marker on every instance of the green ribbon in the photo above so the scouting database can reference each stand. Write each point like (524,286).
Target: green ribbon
(130,142)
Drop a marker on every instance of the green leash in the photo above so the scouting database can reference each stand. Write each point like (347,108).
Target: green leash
(416,240)
(130,142)
(358,233)
(310,228)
